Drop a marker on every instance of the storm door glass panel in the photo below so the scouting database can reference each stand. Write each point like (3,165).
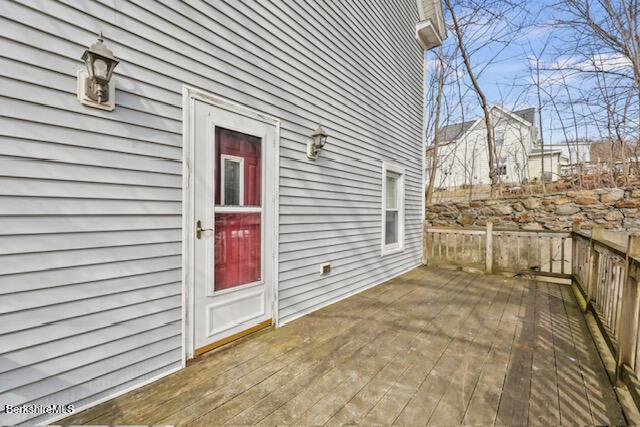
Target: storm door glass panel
(238,252)
(391,210)
(246,151)
(238,210)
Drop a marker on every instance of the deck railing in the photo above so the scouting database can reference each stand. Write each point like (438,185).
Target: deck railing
(543,253)
(456,246)
(604,275)
(607,276)
(601,280)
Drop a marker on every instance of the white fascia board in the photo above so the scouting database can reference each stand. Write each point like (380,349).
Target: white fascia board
(546,153)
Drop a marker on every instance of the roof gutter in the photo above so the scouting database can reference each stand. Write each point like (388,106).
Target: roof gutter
(431,30)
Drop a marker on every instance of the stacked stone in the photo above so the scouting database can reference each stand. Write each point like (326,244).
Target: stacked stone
(608,208)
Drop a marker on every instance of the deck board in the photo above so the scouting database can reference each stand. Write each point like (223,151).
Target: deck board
(438,396)
(449,325)
(514,400)
(544,407)
(433,346)
(574,403)
(602,399)
(485,400)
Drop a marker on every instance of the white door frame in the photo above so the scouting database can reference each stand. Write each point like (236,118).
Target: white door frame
(189,96)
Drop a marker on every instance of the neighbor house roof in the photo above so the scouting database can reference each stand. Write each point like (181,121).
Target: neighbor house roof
(529,114)
(457,130)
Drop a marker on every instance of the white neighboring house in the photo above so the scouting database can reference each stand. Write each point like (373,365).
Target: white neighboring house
(575,152)
(463,157)
(554,160)
(565,155)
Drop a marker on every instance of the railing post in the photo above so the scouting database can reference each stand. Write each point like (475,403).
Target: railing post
(630,307)
(597,233)
(489,249)
(425,243)
(594,264)
(575,228)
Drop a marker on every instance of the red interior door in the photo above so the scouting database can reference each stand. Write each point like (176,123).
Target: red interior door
(238,211)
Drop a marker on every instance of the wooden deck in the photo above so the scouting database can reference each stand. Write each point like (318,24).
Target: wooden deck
(431,347)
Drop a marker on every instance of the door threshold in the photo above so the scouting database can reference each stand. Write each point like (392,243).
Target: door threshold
(207,348)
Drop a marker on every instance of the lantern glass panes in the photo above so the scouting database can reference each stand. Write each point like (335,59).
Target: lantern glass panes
(100,64)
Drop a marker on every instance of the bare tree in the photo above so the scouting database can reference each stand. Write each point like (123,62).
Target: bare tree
(493,173)
(538,86)
(436,126)
(549,87)
(606,35)
(584,81)
(609,25)
(574,117)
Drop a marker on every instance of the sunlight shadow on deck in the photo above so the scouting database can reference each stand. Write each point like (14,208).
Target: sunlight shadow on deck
(430,347)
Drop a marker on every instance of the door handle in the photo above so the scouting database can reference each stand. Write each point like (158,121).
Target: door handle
(199,229)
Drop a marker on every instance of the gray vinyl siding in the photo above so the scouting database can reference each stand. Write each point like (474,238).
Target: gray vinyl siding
(90,201)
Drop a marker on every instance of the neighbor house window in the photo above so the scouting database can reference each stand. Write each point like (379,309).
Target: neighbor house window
(392,209)
(502,166)
(499,137)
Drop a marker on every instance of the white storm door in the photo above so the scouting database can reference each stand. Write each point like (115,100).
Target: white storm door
(233,217)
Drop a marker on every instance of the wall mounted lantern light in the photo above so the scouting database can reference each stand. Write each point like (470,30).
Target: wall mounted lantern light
(316,143)
(95,88)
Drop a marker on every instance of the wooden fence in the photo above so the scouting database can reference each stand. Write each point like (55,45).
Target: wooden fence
(543,253)
(461,247)
(604,273)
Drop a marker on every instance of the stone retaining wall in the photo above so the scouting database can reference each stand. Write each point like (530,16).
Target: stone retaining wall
(609,208)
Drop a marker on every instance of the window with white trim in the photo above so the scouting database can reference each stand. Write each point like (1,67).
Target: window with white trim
(502,166)
(499,138)
(232,179)
(392,209)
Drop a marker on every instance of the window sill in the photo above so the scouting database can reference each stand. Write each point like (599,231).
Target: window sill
(392,249)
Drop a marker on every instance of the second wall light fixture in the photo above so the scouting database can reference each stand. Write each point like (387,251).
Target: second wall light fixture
(316,143)
(95,88)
